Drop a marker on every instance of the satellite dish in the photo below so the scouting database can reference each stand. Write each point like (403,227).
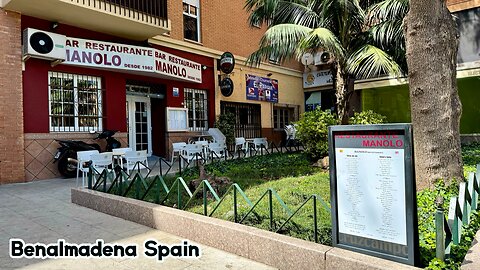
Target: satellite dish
(307,59)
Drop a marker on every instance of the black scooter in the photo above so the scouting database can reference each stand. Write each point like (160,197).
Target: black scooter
(67,152)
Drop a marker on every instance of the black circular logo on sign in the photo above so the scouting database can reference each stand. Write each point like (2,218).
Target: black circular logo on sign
(226,86)
(41,42)
(227,62)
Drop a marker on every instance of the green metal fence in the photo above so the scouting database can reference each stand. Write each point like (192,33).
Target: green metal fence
(449,229)
(138,186)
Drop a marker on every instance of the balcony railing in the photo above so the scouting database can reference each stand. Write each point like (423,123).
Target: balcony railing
(148,11)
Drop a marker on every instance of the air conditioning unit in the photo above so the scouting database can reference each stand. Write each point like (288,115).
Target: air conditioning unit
(322,58)
(307,59)
(43,45)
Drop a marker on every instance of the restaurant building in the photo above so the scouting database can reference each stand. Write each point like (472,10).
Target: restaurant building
(148,69)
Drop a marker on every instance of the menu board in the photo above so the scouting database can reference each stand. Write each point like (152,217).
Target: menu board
(177,119)
(373,190)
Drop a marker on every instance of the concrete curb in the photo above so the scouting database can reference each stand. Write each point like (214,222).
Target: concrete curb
(472,259)
(273,249)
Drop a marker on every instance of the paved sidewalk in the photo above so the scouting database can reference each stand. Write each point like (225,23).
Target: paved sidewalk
(41,212)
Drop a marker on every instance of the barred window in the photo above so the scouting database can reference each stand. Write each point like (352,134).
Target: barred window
(75,102)
(196,102)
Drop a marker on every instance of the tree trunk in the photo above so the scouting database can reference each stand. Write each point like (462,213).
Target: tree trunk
(341,91)
(431,47)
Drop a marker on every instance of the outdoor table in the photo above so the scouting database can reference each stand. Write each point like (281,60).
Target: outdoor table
(200,138)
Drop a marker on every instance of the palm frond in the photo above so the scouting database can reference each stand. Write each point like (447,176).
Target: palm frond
(387,10)
(296,13)
(279,42)
(343,17)
(261,11)
(370,61)
(321,38)
(387,34)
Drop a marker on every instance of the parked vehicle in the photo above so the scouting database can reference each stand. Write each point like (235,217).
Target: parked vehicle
(67,152)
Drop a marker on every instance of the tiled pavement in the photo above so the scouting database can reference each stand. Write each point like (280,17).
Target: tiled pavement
(41,212)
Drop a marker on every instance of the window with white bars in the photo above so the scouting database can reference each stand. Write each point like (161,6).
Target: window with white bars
(195,101)
(75,102)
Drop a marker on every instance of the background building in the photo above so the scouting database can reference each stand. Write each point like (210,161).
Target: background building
(390,97)
(134,66)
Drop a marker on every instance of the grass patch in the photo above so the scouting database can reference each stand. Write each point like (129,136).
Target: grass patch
(293,191)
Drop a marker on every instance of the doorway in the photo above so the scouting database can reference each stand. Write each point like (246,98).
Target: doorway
(139,123)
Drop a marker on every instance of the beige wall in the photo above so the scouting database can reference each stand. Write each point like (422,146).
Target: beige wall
(457,5)
(290,91)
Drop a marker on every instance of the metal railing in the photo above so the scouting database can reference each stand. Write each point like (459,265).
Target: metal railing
(149,11)
(124,185)
(449,231)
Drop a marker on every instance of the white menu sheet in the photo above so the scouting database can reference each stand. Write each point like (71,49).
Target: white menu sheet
(371,193)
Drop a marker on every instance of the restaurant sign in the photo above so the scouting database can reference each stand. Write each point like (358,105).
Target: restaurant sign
(260,88)
(317,78)
(130,59)
(372,185)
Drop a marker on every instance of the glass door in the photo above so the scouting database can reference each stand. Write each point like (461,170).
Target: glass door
(139,123)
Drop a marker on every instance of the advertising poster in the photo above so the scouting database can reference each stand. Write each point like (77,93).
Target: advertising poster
(260,88)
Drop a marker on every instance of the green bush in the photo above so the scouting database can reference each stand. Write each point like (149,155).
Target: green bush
(226,124)
(312,131)
(367,118)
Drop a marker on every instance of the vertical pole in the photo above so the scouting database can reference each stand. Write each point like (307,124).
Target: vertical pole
(180,158)
(235,204)
(157,194)
(179,196)
(270,207)
(120,187)
(440,237)
(90,178)
(137,188)
(439,229)
(160,163)
(204,197)
(105,172)
(315,225)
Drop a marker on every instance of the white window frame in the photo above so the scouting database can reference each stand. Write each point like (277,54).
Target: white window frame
(76,127)
(205,107)
(196,4)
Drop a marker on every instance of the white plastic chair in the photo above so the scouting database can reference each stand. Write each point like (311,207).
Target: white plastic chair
(132,157)
(177,149)
(217,150)
(118,154)
(241,144)
(191,152)
(259,143)
(291,132)
(82,158)
(102,161)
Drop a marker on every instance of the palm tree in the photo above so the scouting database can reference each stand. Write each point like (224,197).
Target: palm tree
(365,38)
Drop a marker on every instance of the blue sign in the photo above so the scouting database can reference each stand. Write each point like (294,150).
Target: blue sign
(260,88)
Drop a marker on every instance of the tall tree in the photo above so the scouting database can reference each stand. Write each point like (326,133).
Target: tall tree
(359,39)
(431,46)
